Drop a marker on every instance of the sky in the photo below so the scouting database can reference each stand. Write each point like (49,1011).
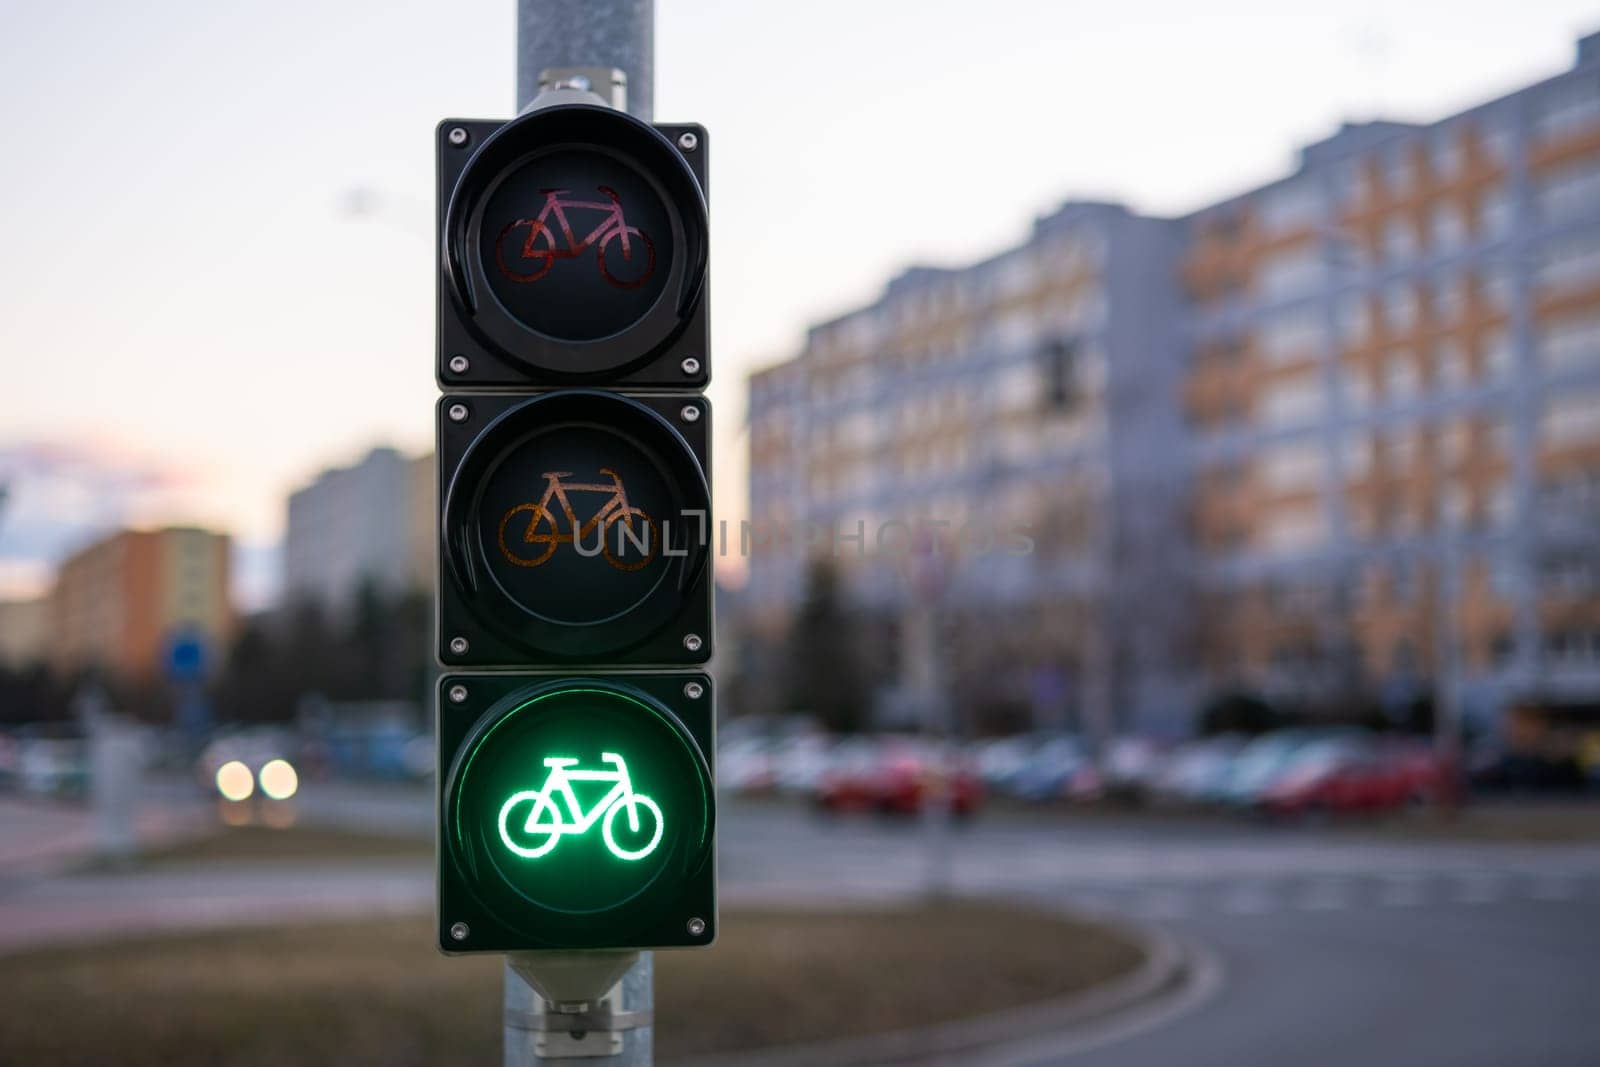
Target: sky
(192,322)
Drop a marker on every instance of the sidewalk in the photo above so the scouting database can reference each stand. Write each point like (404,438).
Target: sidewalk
(93,906)
(39,836)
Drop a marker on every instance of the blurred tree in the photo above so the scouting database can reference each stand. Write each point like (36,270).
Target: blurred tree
(381,652)
(828,673)
(1238,713)
(32,693)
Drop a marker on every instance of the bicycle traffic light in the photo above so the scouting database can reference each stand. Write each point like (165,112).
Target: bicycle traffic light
(576,804)
(577,812)
(573,249)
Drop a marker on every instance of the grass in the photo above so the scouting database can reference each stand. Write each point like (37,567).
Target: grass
(376,992)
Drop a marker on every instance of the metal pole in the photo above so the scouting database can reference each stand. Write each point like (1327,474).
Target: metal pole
(584,33)
(588,33)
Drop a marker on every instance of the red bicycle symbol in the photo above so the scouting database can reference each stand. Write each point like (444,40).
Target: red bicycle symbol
(539,251)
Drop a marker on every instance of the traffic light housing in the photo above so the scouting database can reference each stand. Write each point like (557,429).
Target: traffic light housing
(575,529)
(573,250)
(576,812)
(576,803)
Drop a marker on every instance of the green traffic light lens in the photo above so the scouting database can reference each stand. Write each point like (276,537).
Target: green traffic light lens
(576,806)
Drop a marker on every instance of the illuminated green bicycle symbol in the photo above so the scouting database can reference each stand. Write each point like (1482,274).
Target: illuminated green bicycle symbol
(545,818)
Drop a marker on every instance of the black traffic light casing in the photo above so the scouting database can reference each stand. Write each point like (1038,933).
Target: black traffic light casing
(579,894)
(482,344)
(580,609)
(576,798)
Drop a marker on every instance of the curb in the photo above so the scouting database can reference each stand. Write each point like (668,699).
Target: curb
(1171,969)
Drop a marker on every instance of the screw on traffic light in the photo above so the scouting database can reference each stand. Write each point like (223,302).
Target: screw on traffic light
(576,806)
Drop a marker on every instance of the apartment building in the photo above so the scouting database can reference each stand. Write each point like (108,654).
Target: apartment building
(1339,433)
(24,632)
(1394,398)
(118,604)
(370,523)
(1015,422)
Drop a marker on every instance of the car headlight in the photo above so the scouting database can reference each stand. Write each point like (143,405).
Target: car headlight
(278,779)
(234,781)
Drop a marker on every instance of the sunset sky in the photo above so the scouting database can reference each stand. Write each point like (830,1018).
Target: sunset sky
(190,324)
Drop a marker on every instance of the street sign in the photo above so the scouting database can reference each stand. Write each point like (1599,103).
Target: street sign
(186,659)
(576,801)
(577,812)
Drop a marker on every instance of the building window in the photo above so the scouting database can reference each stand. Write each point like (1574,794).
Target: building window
(1497,356)
(1497,141)
(1290,336)
(1291,206)
(1570,193)
(1450,368)
(1453,503)
(1400,309)
(1400,379)
(1291,400)
(1497,507)
(1294,467)
(1355,319)
(1294,529)
(1451,442)
(1570,262)
(1499,288)
(1568,106)
(1016,387)
(1357,389)
(1450,297)
(1494,213)
(1401,448)
(1293,272)
(1570,343)
(1402,583)
(1397,171)
(1399,240)
(1449,228)
(1445,152)
(1357,452)
(1569,575)
(1571,419)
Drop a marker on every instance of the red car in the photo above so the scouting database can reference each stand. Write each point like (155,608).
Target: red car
(1338,776)
(895,778)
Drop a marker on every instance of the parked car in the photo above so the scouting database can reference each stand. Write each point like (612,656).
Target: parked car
(1059,768)
(799,762)
(1428,777)
(53,766)
(746,766)
(1333,775)
(1260,763)
(897,777)
(1197,770)
(253,749)
(1131,765)
(846,782)
(1357,773)
(999,760)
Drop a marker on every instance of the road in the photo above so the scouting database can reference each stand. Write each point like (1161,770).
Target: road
(1333,948)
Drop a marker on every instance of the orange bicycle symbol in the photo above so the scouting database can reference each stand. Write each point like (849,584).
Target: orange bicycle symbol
(544,528)
(533,255)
